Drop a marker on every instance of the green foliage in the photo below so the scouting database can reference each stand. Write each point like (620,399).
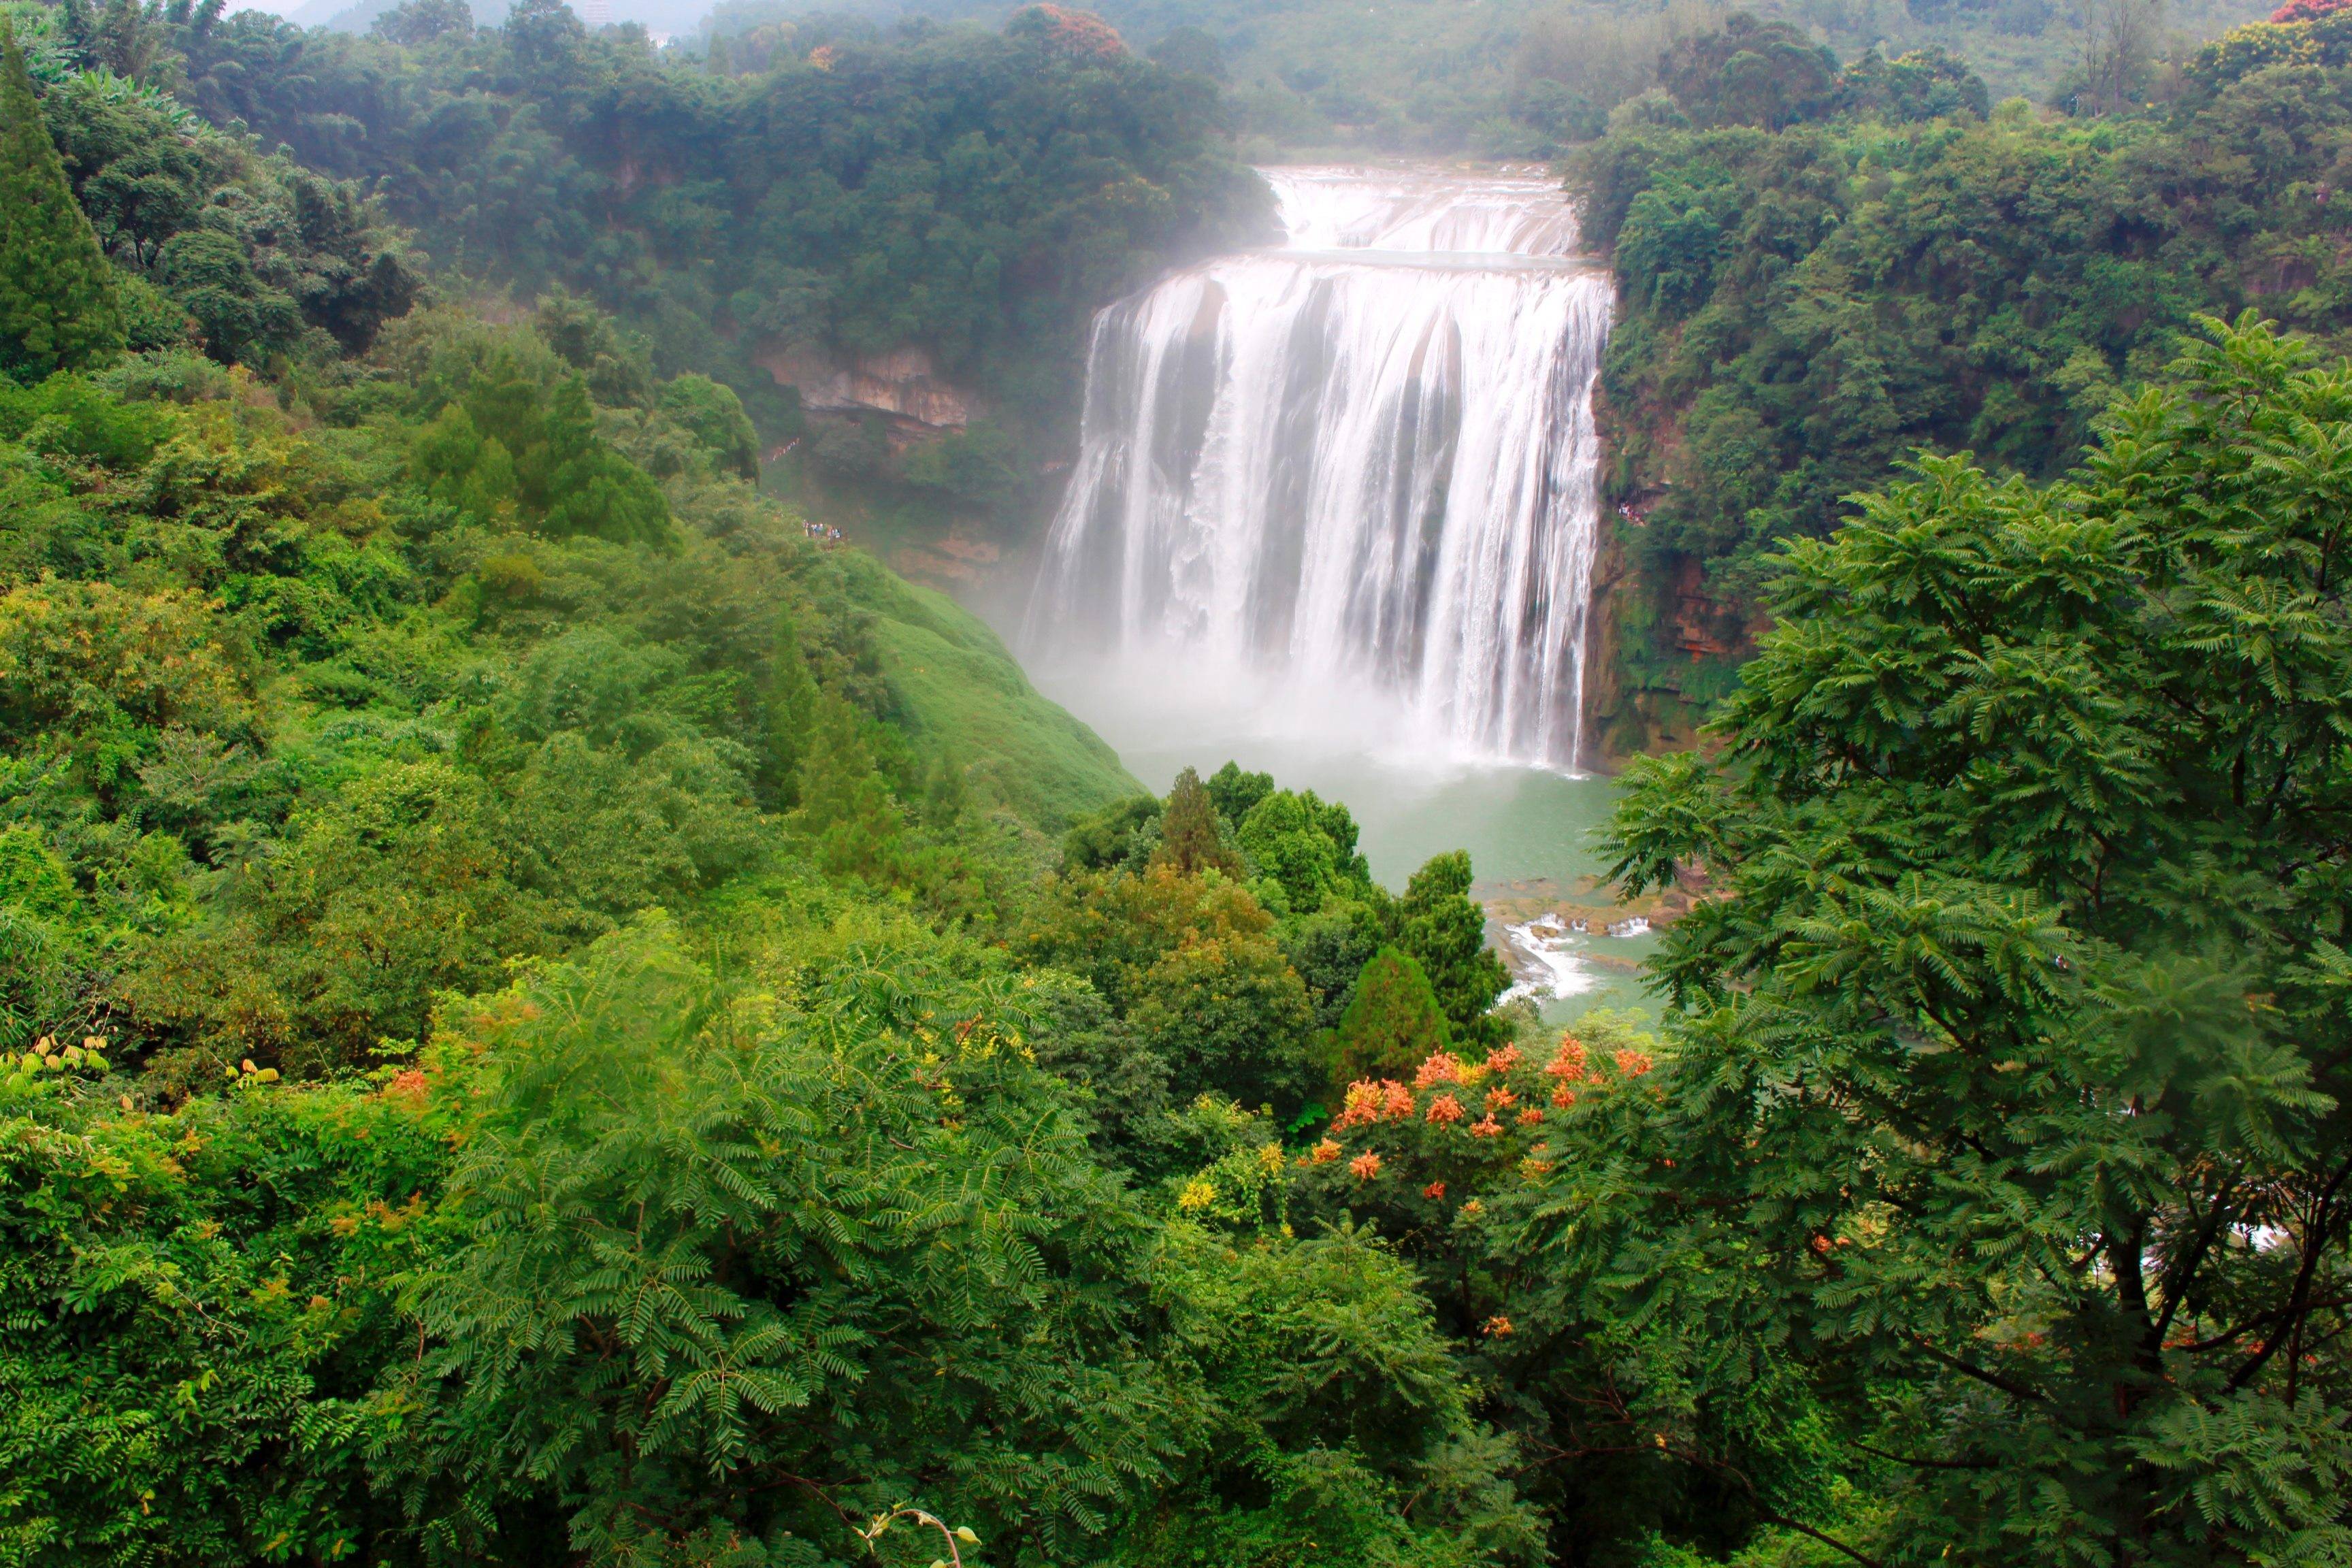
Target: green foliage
(356,738)
(1330,947)
(631,1240)
(619,371)
(1304,848)
(527,1019)
(1518,79)
(1339,1426)
(1237,987)
(208,271)
(714,416)
(791,703)
(1193,964)
(1393,1023)
(1123,832)
(1192,839)
(1922,84)
(1235,791)
(257,251)
(193,1306)
(415,22)
(56,296)
(1444,932)
(844,803)
(1765,74)
(1228,1013)
(1811,299)
(510,444)
(2002,1112)
(975,193)
(976,467)
(959,693)
(820,1263)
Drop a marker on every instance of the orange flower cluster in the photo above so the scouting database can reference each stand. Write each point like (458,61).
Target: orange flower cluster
(1500,1099)
(1567,1065)
(1369,1099)
(1365,1166)
(1487,1127)
(1444,1109)
(1497,1326)
(1326,1152)
(1530,1116)
(1563,1097)
(1503,1060)
(1440,1067)
(1434,1190)
(1633,1063)
(1079,33)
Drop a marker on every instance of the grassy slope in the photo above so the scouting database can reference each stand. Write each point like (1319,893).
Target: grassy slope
(956,682)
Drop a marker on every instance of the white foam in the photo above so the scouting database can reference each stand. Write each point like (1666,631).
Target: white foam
(1546,956)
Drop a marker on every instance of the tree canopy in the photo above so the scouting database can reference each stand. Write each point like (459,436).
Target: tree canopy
(2003,1111)
(57,295)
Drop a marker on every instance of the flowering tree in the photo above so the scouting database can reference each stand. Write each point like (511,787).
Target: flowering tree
(1424,1155)
(1080,35)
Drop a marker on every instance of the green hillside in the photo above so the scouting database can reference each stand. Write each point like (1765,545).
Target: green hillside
(957,688)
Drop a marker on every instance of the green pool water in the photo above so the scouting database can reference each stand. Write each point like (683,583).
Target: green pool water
(1529,831)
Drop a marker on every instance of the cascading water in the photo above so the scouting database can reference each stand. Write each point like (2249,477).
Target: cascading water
(1365,460)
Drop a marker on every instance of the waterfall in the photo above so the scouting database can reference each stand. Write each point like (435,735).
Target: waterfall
(1365,459)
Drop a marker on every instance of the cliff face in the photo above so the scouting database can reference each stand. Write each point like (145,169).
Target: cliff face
(1666,645)
(903,385)
(1661,648)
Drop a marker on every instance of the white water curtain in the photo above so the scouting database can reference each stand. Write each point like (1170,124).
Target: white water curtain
(1363,460)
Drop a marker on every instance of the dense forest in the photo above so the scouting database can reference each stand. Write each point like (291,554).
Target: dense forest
(1524,79)
(550,1013)
(977,193)
(1823,268)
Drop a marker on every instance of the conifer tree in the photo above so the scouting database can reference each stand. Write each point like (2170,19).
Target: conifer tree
(57,310)
(1443,928)
(791,707)
(844,804)
(1190,838)
(1392,1022)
